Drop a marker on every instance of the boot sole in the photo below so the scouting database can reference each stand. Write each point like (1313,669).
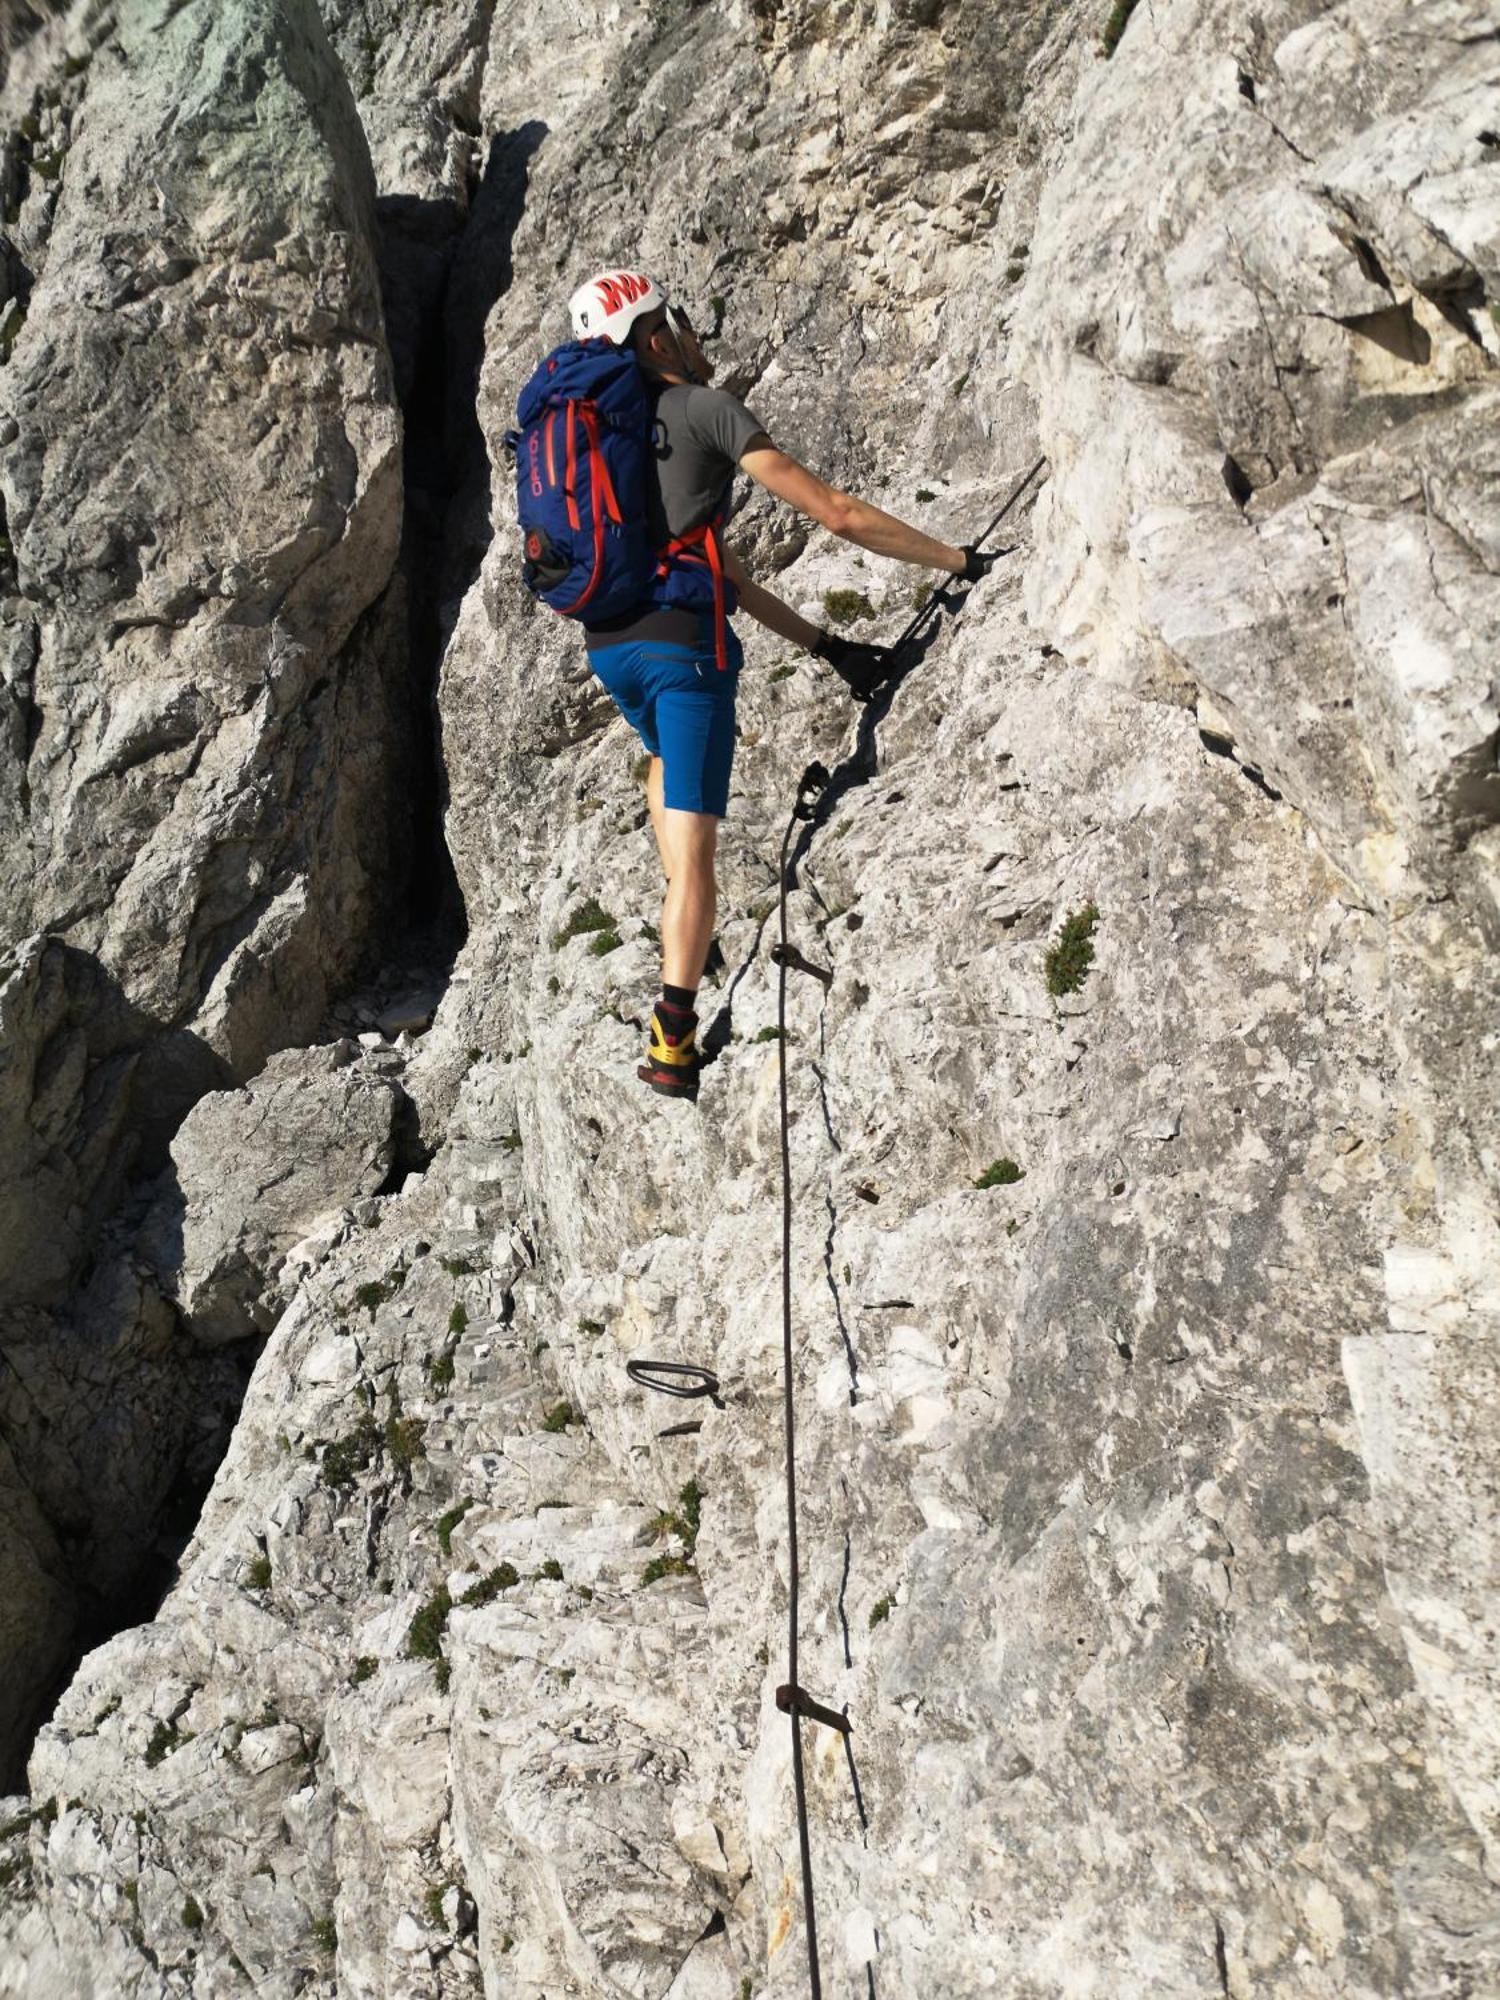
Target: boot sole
(649,1078)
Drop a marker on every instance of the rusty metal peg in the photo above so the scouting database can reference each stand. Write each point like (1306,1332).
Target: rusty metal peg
(792,959)
(797,1701)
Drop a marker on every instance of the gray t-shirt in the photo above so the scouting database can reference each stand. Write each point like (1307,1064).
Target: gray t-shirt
(699,437)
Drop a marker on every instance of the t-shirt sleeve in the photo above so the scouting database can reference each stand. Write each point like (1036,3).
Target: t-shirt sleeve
(721,422)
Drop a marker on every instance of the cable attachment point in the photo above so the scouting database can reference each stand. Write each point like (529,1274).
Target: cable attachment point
(789,956)
(675,1378)
(797,1701)
(812,782)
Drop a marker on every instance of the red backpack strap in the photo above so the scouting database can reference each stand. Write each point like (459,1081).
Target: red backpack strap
(705,537)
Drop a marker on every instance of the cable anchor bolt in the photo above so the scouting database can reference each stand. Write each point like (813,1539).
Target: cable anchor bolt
(797,1701)
(789,956)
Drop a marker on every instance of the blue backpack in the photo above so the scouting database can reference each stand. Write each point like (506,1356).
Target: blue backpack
(582,454)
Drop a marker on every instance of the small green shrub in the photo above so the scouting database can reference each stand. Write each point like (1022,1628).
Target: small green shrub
(925,494)
(660,1566)
(325,1934)
(440,1369)
(258,1572)
(682,1521)
(783,672)
(690,1500)
(164,1738)
(449,1521)
(505,1576)
(364,1667)
(881,1610)
(1001,1173)
(458,1319)
(589,916)
(844,606)
(512,1141)
(375,1293)
(771,1034)
(1070,957)
(559,1417)
(606,942)
(192,1915)
(551,1571)
(594,1326)
(424,1636)
(347,1457)
(1114,27)
(403,1440)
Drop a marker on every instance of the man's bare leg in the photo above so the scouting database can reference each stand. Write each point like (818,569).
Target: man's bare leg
(689,842)
(656,802)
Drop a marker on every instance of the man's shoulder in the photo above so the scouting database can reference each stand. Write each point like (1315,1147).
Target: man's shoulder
(718,418)
(709,405)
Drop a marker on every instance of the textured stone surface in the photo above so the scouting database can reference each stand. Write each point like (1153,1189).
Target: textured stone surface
(201,721)
(260,1176)
(1148,1494)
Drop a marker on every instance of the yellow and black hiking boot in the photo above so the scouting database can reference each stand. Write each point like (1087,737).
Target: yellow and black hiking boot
(672,1061)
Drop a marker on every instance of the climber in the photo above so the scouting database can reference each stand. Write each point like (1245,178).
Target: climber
(672,663)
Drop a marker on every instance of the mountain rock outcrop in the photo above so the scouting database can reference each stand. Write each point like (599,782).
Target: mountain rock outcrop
(201,676)
(1143,1146)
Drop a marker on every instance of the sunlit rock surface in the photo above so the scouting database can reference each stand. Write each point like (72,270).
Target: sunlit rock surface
(1145,1321)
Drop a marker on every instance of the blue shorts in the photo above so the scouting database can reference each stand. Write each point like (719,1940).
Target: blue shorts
(681,705)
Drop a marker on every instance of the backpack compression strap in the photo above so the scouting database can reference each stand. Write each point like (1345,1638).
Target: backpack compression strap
(686,546)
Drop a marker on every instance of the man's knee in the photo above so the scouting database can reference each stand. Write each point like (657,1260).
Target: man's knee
(692,840)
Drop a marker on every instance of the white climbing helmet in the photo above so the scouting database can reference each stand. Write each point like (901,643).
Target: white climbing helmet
(611,303)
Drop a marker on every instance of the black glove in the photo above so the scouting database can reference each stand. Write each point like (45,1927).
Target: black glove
(862,668)
(977,563)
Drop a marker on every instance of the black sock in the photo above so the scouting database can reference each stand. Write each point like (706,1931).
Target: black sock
(679,997)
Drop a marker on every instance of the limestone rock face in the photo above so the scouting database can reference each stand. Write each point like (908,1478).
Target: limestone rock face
(1143,1148)
(201,492)
(202,724)
(259,1175)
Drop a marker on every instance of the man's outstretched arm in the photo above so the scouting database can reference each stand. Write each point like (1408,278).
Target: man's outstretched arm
(852,519)
(767,609)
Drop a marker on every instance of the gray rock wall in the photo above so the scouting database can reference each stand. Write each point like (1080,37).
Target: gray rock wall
(1147,1482)
(205,726)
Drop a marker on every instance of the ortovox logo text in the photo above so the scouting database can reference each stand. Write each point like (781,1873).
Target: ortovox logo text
(534,451)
